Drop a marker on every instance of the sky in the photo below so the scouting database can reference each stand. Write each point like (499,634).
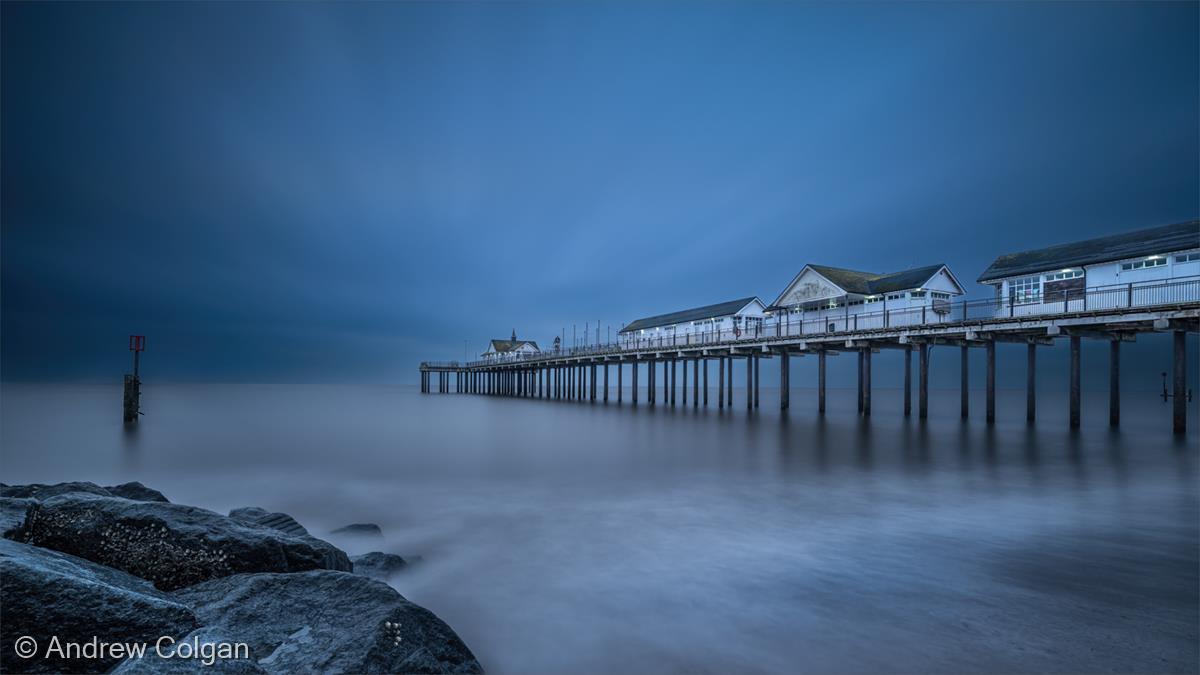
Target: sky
(311,192)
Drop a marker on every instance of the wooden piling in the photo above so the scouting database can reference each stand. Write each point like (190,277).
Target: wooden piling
(1179,385)
(721,382)
(1030,382)
(866,356)
(633,368)
(821,382)
(683,390)
(695,383)
(705,382)
(749,383)
(964,404)
(673,369)
(907,380)
(923,383)
(860,381)
(757,373)
(1114,383)
(990,403)
(1075,340)
(785,376)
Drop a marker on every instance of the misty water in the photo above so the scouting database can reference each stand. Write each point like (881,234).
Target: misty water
(599,538)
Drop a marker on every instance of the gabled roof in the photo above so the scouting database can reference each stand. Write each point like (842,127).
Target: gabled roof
(1152,241)
(706,312)
(870,283)
(501,346)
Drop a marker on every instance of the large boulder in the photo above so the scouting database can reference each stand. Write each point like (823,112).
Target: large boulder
(360,530)
(133,490)
(376,565)
(170,544)
(326,622)
(46,594)
(136,491)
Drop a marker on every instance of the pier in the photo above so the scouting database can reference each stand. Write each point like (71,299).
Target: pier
(1113,314)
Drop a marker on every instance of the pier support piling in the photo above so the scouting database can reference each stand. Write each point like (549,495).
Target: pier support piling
(860,381)
(1075,340)
(866,382)
(757,372)
(923,383)
(695,383)
(821,382)
(1114,383)
(705,382)
(1030,382)
(990,404)
(1179,385)
(785,374)
(907,380)
(721,383)
(964,403)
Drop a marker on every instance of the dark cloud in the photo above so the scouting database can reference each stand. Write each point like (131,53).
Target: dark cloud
(306,191)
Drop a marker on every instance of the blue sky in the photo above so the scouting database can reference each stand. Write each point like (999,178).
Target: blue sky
(303,191)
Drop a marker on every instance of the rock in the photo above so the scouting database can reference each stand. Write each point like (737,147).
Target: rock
(378,565)
(252,515)
(137,491)
(327,622)
(46,593)
(170,544)
(153,664)
(360,530)
(134,490)
(40,491)
(12,512)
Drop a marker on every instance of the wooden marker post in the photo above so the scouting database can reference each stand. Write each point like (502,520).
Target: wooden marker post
(133,383)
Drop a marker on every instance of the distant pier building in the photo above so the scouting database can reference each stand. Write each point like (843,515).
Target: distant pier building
(512,349)
(743,316)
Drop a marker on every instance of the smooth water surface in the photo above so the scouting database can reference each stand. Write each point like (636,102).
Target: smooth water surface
(597,538)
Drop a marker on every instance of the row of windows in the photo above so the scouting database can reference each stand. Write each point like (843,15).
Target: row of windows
(1142,264)
(1187,257)
(939,295)
(1067,274)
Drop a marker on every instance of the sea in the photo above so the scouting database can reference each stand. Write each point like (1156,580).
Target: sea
(586,537)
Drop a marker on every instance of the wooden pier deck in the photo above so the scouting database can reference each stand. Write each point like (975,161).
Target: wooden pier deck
(582,374)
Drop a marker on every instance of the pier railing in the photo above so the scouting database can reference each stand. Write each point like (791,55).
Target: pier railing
(1136,295)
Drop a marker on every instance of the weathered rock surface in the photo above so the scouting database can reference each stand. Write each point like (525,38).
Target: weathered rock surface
(133,490)
(328,622)
(47,594)
(253,515)
(378,565)
(137,491)
(46,491)
(12,512)
(170,544)
(360,530)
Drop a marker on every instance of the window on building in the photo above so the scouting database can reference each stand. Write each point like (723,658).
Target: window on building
(895,296)
(1025,289)
(939,295)
(1157,261)
(1065,274)
(856,302)
(833,304)
(917,294)
(1187,257)
(873,298)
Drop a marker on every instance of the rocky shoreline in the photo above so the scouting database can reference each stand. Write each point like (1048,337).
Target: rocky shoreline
(122,565)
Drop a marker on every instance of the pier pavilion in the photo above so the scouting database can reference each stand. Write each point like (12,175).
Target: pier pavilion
(741,316)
